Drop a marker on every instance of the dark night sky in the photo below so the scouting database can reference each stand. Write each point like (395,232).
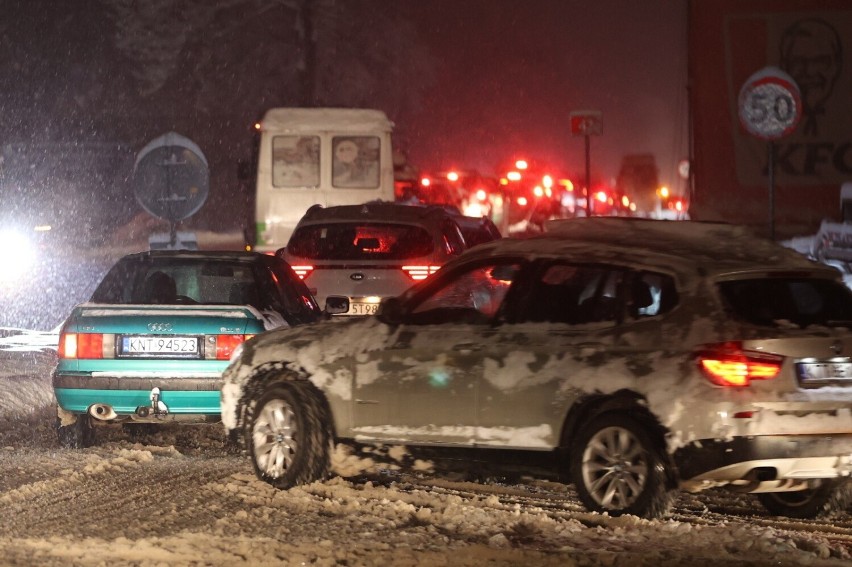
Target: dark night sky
(511,73)
(507,74)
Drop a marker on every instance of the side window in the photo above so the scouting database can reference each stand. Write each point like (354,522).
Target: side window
(295,161)
(474,296)
(355,161)
(652,294)
(576,294)
(453,239)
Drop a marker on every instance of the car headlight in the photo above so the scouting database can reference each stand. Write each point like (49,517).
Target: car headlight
(17,255)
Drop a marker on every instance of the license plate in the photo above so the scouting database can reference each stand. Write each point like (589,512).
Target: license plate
(363,308)
(810,372)
(171,345)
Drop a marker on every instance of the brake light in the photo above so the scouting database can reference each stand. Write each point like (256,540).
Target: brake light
(81,345)
(727,364)
(418,273)
(303,271)
(226,344)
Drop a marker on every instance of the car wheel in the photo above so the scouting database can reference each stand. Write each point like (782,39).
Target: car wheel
(617,468)
(78,435)
(823,500)
(287,435)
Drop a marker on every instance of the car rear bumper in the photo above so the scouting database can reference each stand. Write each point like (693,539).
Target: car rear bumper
(192,395)
(765,458)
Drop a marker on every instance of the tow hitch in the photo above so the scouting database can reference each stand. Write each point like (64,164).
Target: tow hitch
(157,408)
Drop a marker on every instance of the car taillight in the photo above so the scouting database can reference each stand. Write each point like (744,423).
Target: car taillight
(302,271)
(81,345)
(418,273)
(727,364)
(225,345)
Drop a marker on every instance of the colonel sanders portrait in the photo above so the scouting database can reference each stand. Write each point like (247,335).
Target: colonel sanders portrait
(812,54)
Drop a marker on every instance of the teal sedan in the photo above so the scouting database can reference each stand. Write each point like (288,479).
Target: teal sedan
(151,344)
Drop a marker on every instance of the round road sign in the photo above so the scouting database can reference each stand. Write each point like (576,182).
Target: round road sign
(171,179)
(770,105)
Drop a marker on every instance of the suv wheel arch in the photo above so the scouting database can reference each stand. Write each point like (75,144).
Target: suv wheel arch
(624,402)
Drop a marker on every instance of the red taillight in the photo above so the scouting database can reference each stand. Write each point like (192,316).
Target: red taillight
(727,364)
(81,345)
(226,344)
(302,271)
(418,273)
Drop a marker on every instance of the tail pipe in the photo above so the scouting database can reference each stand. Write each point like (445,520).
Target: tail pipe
(103,412)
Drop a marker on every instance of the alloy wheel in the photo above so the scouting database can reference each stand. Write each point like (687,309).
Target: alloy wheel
(615,467)
(273,436)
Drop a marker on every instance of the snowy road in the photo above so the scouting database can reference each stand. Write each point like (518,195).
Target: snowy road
(178,496)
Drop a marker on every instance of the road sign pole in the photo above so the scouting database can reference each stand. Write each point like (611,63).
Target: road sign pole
(770,107)
(771,164)
(588,177)
(587,123)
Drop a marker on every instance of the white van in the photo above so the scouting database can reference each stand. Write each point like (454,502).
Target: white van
(318,156)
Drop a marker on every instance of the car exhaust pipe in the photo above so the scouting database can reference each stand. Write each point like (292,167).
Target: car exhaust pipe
(102,412)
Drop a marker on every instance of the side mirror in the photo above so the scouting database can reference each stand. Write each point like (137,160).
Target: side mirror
(390,310)
(336,304)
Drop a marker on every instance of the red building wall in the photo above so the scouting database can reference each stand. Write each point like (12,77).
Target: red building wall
(811,40)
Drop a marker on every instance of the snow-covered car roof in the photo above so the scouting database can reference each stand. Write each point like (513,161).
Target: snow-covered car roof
(685,248)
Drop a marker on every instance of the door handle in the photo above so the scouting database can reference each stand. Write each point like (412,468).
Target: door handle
(467,347)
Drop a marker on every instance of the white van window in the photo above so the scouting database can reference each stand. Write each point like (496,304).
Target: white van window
(295,161)
(356,161)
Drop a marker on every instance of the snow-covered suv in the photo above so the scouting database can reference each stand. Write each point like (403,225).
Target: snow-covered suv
(634,356)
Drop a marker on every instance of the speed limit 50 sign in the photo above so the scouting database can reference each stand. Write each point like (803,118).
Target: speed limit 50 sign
(770,105)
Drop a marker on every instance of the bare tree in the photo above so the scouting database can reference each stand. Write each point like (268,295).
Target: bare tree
(314,52)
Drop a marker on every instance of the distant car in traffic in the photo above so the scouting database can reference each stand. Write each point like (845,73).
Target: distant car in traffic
(151,343)
(371,251)
(631,356)
(477,230)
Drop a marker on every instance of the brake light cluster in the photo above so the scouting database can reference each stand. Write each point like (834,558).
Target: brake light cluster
(302,271)
(418,273)
(89,346)
(227,344)
(85,345)
(728,364)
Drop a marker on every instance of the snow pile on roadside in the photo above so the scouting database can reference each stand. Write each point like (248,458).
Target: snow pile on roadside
(25,379)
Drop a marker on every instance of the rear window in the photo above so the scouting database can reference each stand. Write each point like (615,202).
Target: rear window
(167,280)
(784,301)
(361,241)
